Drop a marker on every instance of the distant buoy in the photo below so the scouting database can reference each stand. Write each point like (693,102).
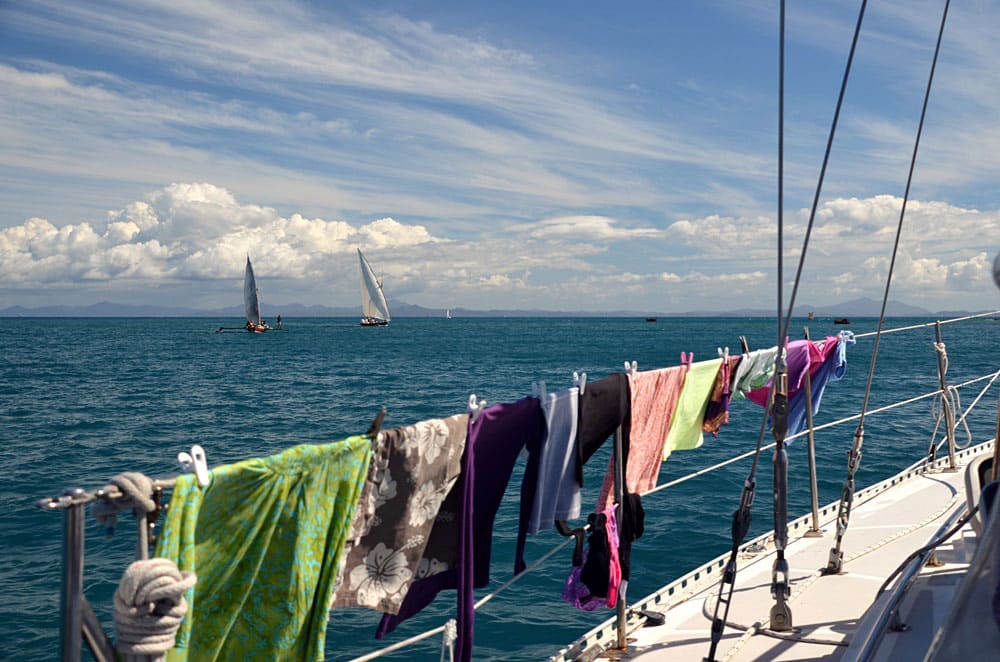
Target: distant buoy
(996,270)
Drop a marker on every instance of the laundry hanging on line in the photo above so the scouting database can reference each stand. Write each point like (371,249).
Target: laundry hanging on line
(412,471)
(463,541)
(266,551)
(561,431)
(653,396)
(557,493)
(825,361)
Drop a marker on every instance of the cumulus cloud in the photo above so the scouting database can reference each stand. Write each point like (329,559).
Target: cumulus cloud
(197,236)
(187,232)
(926,276)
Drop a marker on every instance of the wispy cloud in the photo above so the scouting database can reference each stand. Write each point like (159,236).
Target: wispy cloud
(476,164)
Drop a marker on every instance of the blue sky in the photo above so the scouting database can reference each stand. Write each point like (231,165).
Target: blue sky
(556,155)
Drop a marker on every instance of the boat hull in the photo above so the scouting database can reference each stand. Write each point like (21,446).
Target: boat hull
(372,321)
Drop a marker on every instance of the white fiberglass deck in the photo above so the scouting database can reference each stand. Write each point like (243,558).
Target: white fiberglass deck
(889,521)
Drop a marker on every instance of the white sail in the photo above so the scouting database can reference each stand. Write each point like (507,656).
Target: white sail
(250,295)
(373,303)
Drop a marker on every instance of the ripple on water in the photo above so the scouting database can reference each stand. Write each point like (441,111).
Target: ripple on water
(86,399)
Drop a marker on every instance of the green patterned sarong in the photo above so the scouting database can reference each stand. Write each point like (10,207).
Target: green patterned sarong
(265,539)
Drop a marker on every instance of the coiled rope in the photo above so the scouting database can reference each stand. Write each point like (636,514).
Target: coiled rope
(149,606)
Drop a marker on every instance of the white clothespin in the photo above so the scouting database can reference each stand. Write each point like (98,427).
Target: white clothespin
(186,462)
(476,407)
(538,390)
(195,462)
(580,380)
(631,368)
(200,465)
(723,354)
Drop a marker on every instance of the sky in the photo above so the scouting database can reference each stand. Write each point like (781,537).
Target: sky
(518,155)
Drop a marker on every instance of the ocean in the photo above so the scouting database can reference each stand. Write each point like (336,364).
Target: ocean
(85,399)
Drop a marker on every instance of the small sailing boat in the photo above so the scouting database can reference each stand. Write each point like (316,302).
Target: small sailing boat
(374,307)
(447,313)
(251,300)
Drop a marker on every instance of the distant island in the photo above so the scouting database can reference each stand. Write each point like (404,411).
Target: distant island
(856,308)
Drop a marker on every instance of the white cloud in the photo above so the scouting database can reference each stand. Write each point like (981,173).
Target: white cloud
(199,234)
(388,232)
(188,232)
(583,228)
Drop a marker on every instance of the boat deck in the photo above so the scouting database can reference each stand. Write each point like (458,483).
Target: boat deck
(831,614)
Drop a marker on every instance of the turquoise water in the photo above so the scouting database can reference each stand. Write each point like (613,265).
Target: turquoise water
(84,399)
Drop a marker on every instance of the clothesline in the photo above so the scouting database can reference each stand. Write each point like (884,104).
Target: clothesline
(529,424)
(559,546)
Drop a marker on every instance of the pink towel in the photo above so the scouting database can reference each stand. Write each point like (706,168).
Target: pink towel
(654,395)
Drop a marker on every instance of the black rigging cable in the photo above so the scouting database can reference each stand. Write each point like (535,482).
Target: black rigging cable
(742,516)
(836,560)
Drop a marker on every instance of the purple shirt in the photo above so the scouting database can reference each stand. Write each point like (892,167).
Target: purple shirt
(495,439)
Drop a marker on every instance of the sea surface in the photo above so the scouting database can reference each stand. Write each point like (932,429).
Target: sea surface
(84,399)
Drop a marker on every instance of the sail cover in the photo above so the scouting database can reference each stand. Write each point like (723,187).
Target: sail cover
(373,303)
(250,295)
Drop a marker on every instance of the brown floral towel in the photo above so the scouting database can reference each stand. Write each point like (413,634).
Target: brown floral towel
(413,468)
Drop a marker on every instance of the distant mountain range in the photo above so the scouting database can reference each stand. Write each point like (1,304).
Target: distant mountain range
(855,308)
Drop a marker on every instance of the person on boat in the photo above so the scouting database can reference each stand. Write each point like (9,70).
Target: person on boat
(250,325)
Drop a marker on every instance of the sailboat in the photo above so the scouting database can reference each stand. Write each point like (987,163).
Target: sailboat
(251,301)
(447,313)
(374,307)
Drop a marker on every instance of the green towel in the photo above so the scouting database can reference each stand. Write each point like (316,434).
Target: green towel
(265,539)
(685,427)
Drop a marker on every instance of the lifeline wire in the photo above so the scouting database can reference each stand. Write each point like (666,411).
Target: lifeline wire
(534,566)
(854,459)
(924,326)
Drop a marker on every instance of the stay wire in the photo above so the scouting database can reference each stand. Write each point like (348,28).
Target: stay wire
(854,456)
(822,172)
(902,213)
(743,516)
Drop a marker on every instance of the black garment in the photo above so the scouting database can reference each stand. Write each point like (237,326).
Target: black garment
(631,525)
(529,483)
(596,571)
(604,405)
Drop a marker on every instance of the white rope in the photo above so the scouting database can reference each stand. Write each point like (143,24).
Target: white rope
(448,640)
(136,494)
(149,607)
(956,404)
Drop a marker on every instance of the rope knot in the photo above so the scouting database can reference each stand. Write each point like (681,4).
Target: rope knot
(448,637)
(137,494)
(149,606)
